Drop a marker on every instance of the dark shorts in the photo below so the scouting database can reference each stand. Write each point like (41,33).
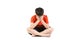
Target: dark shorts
(39,28)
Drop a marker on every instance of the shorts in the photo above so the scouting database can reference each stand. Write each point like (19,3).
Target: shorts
(39,28)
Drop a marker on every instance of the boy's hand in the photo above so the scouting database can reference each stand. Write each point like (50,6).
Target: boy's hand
(38,18)
(41,18)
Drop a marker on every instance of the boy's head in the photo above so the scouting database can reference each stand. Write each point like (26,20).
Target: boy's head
(39,11)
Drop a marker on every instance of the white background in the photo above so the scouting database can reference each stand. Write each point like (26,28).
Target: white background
(15,18)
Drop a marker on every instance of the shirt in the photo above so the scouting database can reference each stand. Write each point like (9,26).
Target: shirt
(34,19)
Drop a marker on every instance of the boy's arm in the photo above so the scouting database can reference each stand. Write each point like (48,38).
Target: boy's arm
(46,25)
(33,25)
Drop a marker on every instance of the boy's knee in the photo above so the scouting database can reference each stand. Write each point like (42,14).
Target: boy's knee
(51,29)
(28,29)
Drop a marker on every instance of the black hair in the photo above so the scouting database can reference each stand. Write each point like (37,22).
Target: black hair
(39,11)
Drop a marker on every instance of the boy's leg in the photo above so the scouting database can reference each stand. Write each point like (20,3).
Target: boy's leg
(47,31)
(43,33)
(32,31)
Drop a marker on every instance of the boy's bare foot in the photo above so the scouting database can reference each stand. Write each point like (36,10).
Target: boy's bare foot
(33,35)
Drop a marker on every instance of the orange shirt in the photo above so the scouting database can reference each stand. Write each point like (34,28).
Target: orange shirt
(34,19)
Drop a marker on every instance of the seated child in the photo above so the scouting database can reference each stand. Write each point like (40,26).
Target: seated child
(39,24)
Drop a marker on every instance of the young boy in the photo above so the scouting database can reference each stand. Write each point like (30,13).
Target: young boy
(39,24)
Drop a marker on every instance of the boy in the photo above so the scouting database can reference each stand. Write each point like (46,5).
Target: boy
(39,24)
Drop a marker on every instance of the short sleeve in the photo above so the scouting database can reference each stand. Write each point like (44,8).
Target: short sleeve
(33,19)
(46,19)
